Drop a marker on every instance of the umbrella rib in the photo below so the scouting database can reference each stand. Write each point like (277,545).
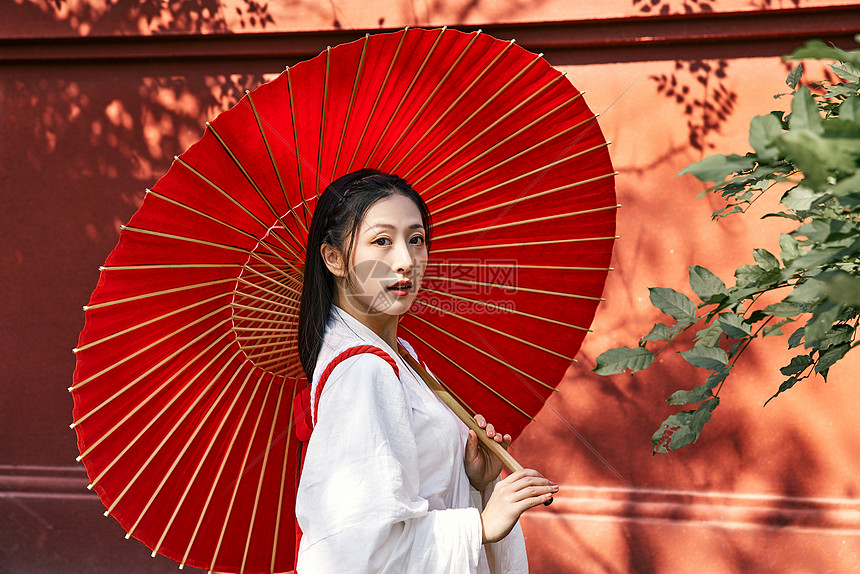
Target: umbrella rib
(486,354)
(494,330)
(527,221)
(479,381)
(262,275)
(146,348)
(240,476)
(226,455)
(232,200)
(247,175)
(113,429)
(472,196)
(305,209)
(128,446)
(273,249)
(157,293)
(146,323)
(378,97)
(287,441)
(477,111)
(269,312)
(258,288)
(516,265)
(525,243)
(249,253)
(213,436)
(430,97)
(493,306)
(509,137)
(197,428)
(453,104)
(318,191)
(515,288)
(263,466)
(275,168)
(355,83)
(404,97)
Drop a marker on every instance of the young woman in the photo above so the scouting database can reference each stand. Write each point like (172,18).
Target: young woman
(392,481)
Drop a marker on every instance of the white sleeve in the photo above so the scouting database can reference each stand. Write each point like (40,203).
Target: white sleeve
(358,504)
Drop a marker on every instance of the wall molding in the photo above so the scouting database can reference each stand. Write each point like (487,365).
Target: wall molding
(638,38)
(726,510)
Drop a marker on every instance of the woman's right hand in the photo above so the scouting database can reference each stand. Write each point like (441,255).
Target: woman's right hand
(511,497)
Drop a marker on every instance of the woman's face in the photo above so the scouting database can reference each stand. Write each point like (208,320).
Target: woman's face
(389,256)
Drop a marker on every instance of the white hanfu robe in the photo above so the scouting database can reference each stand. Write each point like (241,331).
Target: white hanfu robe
(383,488)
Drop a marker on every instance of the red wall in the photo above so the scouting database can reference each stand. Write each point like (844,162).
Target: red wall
(93,107)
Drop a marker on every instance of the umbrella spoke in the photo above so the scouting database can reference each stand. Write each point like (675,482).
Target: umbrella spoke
(147,323)
(240,475)
(437,182)
(467,372)
(306,211)
(474,113)
(355,83)
(231,443)
(382,86)
(263,466)
(158,293)
(320,146)
(522,197)
(148,347)
(468,248)
(294,290)
(441,83)
(515,287)
(212,437)
(276,170)
(406,95)
(462,95)
(273,249)
(494,307)
(516,265)
(287,440)
(232,200)
(494,330)
(136,408)
(486,354)
(186,411)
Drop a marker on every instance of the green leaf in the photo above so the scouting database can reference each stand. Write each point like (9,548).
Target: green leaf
(755,277)
(705,284)
(818,50)
(823,317)
(765,259)
(784,309)
(763,131)
(838,335)
(850,109)
(659,332)
(794,76)
(787,384)
(618,360)
(800,198)
(676,305)
(709,336)
(829,357)
(844,288)
(796,338)
(846,71)
(700,392)
(734,325)
(797,365)
(791,249)
(711,358)
(716,168)
(804,112)
(683,428)
(775,330)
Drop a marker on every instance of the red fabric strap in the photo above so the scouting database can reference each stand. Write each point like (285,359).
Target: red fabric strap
(351,352)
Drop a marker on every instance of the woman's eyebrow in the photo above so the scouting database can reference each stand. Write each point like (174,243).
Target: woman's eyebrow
(389,227)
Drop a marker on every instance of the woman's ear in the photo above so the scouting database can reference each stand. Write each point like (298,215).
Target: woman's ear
(333,260)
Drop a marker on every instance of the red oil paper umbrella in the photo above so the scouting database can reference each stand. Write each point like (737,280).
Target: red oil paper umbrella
(187,366)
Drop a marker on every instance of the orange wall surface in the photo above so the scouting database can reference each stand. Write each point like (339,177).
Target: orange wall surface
(87,122)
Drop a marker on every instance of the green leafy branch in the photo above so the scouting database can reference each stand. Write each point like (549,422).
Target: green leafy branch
(815,152)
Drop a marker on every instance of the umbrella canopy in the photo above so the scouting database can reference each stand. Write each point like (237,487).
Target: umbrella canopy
(187,365)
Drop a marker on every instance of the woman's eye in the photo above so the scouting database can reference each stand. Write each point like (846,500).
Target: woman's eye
(417,240)
(381,241)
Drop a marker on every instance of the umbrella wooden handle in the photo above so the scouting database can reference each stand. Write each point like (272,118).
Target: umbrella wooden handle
(458,409)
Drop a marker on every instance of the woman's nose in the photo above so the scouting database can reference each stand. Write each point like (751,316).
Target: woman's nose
(403,261)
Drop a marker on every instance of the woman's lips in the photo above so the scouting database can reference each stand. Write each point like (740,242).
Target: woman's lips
(401,288)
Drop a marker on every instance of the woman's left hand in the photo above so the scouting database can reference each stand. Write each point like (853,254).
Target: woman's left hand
(482,467)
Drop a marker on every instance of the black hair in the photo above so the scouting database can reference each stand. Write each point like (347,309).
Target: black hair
(337,215)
